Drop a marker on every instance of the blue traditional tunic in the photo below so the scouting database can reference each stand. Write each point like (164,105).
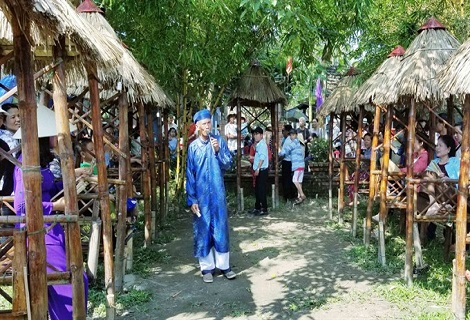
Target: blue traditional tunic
(205,186)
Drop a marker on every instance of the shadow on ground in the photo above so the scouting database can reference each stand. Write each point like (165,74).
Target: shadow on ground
(289,264)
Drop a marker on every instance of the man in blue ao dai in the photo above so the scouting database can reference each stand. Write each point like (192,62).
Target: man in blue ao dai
(208,158)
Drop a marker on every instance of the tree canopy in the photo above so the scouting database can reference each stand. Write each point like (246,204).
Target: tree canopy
(198,48)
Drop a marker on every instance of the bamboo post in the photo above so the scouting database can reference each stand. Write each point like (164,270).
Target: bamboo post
(275,139)
(122,192)
(273,197)
(239,157)
(410,194)
(19,304)
(384,178)
(129,253)
(94,244)
(74,244)
(31,170)
(103,192)
(432,133)
(342,169)
(381,250)
(331,160)
(357,170)
(373,177)
(166,167)
(461,217)
(145,174)
(153,174)
(160,155)
(417,247)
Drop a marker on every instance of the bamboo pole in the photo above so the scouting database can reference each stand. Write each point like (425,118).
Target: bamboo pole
(122,192)
(410,194)
(94,243)
(31,170)
(19,277)
(275,126)
(102,189)
(166,163)
(357,169)
(239,157)
(38,74)
(342,169)
(384,177)
(331,160)
(74,243)
(145,174)
(459,299)
(161,176)
(153,174)
(373,177)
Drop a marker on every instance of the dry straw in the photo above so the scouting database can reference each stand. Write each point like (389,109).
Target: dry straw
(342,98)
(374,89)
(51,19)
(422,61)
(454,78)
(140,85)
(256,88)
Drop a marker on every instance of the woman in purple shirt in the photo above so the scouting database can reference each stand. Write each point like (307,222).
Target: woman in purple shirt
(59,296)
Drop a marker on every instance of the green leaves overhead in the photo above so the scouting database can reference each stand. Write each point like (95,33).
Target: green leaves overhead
(212,41)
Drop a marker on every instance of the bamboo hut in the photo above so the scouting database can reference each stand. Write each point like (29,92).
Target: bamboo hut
(372,92)
(45,25)
(256,89)
(341,102)
(454,80)
(141,88)
(416,85)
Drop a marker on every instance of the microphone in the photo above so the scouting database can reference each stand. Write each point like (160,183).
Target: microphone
(210,137)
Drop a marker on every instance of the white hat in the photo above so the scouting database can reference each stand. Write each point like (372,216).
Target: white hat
(348,118)
(3,111)
(300,137)
(46,123)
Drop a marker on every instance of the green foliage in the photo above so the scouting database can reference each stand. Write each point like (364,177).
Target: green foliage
(396,22)
(319,149)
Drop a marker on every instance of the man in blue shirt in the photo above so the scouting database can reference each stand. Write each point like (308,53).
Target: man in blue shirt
(208,158)
(288,187)
(260,167)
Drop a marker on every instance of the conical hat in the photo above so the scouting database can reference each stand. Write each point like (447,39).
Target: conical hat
(300,137)
(46,123)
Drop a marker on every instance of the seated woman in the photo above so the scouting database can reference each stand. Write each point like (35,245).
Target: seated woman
(436,196)
(363,171)
(59,296)
(420,157)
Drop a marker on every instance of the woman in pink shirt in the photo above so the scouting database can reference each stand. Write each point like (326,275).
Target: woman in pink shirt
(421,158)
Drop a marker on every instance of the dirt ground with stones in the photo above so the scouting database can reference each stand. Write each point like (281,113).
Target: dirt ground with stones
(290,265)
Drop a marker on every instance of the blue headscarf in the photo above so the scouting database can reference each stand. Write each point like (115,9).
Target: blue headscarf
(201,115)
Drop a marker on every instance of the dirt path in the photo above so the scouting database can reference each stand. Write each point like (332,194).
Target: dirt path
(290,265)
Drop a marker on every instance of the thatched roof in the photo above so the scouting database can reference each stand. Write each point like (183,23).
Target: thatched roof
(342,98)
(374,89)
(256,88)
(51,19)
(421,62)
(454,77)
(141,86)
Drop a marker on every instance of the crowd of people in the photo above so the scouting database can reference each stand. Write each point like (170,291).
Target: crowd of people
(11,184)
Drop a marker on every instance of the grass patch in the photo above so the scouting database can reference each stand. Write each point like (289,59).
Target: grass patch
(429,297)
(124,301)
